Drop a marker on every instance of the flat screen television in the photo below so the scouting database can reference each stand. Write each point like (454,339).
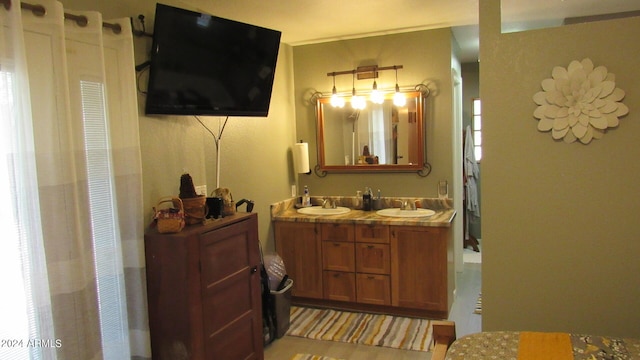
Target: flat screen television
(207,65)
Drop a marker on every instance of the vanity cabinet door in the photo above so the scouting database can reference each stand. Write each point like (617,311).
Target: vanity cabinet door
(370,233)
(419,267)
(373,289)
(337,232)
(300,247)
(373,258)
(338,256)
(340,286)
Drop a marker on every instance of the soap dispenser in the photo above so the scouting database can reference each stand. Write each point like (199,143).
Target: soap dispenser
(306,198)
(367,199)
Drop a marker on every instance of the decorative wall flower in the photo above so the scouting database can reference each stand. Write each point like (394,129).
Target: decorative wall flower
(579,103)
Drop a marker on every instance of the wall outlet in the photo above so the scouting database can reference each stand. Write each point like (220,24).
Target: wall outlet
(201,190)
(294,191)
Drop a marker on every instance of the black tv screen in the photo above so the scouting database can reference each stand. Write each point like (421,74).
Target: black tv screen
(206,65)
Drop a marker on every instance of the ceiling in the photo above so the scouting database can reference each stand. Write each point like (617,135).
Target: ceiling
(314,21)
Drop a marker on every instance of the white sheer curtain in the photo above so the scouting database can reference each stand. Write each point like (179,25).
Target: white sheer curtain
(380,132)
(25,310)
(71,185)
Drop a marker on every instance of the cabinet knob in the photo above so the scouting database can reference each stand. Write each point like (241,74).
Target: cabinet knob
(254,269)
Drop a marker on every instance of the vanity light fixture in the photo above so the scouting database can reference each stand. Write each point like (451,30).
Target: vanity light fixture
(398,98)
(336,100)
(359,102)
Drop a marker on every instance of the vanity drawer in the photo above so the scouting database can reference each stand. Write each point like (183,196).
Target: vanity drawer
(337,232)
(373,258)
(373,289)
(338,256)
(340,286)
(372,233)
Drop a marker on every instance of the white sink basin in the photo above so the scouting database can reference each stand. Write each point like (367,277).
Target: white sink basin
(319,210)
(396,212)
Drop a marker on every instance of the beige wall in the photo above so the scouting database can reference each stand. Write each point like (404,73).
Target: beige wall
(560,240)
(254,159)
(425,56)
(428,57)
(256,152)
(560,230)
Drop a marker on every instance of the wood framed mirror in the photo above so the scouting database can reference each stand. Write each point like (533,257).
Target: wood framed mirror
(380,137)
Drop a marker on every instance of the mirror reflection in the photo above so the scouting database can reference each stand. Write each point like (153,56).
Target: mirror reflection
(379,137)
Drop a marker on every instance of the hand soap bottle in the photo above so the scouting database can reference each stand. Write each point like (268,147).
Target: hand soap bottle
(306,198)
(367,199)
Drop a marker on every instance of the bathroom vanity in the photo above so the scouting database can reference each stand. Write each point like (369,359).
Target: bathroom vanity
(364,261)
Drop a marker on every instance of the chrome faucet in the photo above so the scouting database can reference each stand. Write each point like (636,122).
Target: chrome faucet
(408,205)
(328,203)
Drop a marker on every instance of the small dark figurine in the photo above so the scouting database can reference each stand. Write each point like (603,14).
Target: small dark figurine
(187,189)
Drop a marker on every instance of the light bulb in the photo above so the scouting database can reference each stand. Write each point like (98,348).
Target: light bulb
(358,102)
(376,95)
(398,98)
(337,101)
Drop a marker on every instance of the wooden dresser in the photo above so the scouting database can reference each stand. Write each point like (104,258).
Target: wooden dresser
(203,289)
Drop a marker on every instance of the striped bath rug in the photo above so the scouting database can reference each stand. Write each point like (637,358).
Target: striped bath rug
(361,328)
(311,357)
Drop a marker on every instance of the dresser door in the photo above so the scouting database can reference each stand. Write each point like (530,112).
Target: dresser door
(231,299)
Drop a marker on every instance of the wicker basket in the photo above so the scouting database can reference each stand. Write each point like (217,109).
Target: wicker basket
(195,209)
(228,205)
(170,220)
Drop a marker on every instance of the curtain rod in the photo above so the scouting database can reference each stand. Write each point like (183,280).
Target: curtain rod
(81,20)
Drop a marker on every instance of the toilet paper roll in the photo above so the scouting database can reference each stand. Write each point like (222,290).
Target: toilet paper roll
(301,157)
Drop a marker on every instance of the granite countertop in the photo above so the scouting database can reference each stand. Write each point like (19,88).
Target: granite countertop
(286,211)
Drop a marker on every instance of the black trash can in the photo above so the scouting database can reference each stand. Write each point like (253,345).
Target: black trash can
(281,302)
